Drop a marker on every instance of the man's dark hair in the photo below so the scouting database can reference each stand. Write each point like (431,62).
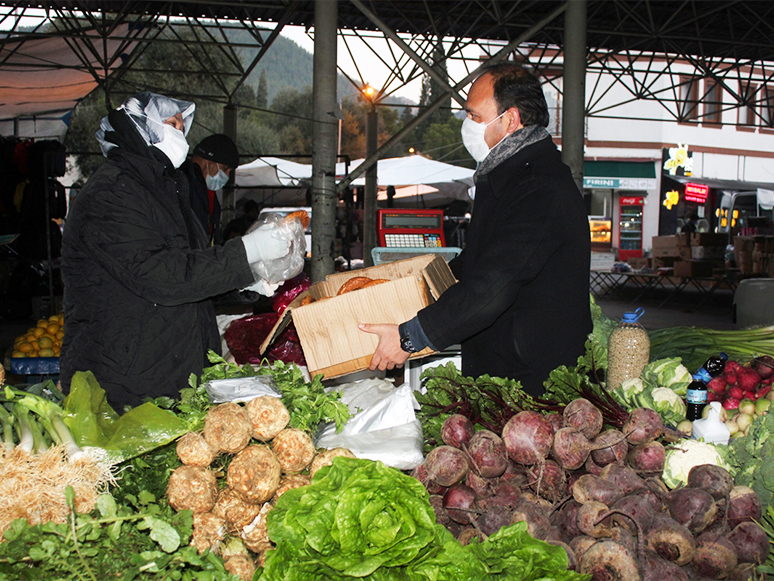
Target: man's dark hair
(516,87)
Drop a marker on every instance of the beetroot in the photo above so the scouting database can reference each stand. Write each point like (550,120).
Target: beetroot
(588,519)
(457,430)
(488,454)
(715,556)
(646,458)
(642,425)
(764,365)
(693,507)
(441,516)
(747,378)
(744,505)
(589,487)
(714,479)
(460,503)
(483,487)
(584,416)
(609,561)
(570,448)
(528,437)
(420,473)
(446,465)
(622,476)
(492,520)
(506,497)
(548,480)
(608,447)
(535,516)
(671,540)
(581,544)
(556,420)
(565,519)
(592,467)
(654,568)
(750,542)
(636,509)
(654,499)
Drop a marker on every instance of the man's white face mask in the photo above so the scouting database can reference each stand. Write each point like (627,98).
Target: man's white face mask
(217,181)
(174,145)
(473,137)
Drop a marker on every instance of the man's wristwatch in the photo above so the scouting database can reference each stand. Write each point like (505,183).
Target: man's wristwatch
(405,341)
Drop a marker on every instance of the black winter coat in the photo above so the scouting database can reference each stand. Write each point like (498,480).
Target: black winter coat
(137,277)
(521,306)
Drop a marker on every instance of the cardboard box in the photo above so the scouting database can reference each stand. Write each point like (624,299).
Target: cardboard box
(709,239)
(638,263)
(708,252)
(693,268)
(663,262)
(328,327)
(662,246)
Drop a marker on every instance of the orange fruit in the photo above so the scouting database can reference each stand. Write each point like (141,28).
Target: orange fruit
(32,354)
(16,353)
(42,323)
(39,331)
(57,350)
(45,342)
(53,328)
(60,335)
(46,353)
(53,319)
(25,347)
(61,320)
(35,345)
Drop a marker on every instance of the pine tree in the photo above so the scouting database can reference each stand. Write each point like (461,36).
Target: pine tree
(262,94)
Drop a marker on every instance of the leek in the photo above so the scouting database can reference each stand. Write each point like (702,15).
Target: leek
(50,416)
(7,420)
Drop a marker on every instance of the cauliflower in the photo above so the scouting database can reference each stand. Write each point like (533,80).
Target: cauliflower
(686,454)
(668,402)
(628,390)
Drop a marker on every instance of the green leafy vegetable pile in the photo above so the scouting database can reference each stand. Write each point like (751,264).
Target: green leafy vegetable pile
(750,458)
(361,519)
(143,539)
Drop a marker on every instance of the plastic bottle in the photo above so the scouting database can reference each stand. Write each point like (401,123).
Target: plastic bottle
(695,398)
(711,429)
(628,350)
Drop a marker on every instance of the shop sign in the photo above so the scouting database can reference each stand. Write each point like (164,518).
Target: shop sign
(631,201)
(696,193)
(619,183)
(678,161)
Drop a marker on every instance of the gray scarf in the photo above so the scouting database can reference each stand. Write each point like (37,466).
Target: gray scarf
(509,146)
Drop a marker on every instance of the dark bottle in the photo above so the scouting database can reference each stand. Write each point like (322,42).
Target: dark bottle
(696,398)
(713,367)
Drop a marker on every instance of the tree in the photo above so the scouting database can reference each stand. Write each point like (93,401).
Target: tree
(262,93)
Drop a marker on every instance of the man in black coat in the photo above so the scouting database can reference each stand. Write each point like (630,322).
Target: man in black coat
(520,307)
(137,268)
(213,161)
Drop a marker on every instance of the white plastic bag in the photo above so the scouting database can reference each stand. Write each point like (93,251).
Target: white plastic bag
(385,427)
(241,388)
(285,268)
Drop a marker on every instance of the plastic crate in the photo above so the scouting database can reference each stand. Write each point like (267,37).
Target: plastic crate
(34,365)
(382,254)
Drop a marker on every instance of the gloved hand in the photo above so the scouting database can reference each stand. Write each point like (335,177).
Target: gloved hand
(263,288)
(266,243)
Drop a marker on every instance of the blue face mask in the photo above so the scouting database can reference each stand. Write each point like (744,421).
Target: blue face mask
(217,181)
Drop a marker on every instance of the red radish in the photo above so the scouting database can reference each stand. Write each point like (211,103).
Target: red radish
(643,425)
(764,365)
(762,391)
(488,453)
(730,377)
(712,396)
(528,437)
(717,385)
(457,430)
(731,403)
(584,416)
(446,465)
(459,502)
(750,395)
(735,392)
(747,378)
(732,366)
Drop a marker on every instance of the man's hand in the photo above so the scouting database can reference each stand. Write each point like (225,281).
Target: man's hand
(388,353)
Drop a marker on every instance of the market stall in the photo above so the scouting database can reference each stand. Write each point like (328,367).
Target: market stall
(261,471)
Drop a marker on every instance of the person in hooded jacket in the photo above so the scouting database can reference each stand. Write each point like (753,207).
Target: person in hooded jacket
(520,308)
(137,268)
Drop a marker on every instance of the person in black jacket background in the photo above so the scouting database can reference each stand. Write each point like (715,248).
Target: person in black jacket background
(520,307)
(208,170)
(137,267)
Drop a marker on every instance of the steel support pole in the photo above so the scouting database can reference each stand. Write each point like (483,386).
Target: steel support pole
(324,139)
(369,201)
(228,205)
(574,106)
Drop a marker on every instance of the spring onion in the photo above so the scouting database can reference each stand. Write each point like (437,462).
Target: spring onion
(695,344)
(6,420)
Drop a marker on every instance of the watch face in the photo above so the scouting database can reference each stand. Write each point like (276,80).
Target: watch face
(406,345)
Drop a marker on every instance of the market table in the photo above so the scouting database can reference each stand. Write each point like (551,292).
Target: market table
(610,284)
